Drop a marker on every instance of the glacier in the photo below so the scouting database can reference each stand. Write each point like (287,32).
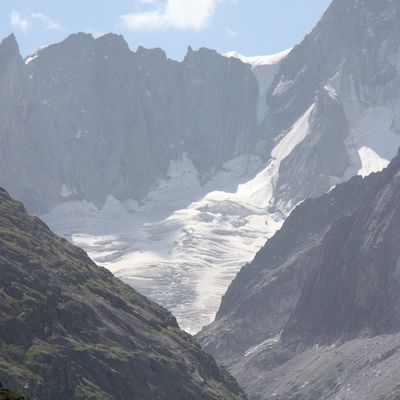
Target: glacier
(183,246)
(185,243)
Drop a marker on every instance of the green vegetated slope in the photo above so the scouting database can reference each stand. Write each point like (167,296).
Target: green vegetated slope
(70,330)
(6,394)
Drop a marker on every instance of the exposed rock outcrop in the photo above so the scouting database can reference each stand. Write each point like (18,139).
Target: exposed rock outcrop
(69,329)
(87,118)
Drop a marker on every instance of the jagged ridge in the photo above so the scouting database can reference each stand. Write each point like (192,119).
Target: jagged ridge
(100,119)
(69,329)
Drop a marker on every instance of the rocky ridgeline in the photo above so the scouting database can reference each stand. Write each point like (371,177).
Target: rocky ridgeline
(87,118)
(315,314)
(69,329)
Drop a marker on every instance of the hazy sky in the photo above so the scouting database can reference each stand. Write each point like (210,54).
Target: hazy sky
(252,27)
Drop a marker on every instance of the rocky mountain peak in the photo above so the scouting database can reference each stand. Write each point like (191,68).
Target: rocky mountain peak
(150,56)
(350,82)
(112,39)
(99,94)
(366,52)
(10,57)
(9,47)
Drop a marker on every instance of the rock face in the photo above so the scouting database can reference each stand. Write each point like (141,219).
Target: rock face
(328,278)
(347,87)
(342,338)
(265,292)
(360,369)
(330,281)
(89,121)
(88,118)
(69,329)
(354,82)
(355,288)
(328,110)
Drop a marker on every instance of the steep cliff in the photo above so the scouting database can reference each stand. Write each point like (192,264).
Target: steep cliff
(341,94)
(88,118)
(342,338)
(355,288)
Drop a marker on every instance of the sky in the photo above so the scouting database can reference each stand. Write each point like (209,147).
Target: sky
(251,27)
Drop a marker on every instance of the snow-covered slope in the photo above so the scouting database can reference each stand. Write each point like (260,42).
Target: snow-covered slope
(257,61)
(265,69)
(352,83)
(87,118)
(335,268)
(185,242)
(217,152)
(184,245)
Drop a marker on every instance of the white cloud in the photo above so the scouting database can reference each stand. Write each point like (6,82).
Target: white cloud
(177,14)
(48,23)
(25,23)
(148,1)
(20,23)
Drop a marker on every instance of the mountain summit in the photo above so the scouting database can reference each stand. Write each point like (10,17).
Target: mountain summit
(103,120)
(325,286)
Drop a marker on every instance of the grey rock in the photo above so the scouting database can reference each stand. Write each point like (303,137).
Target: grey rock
(352,79)
(354,288)
(347,76)
(89,118)
(264,294)
(362,368)
(342,339)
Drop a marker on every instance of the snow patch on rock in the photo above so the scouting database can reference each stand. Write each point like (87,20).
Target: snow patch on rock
(373,142)
(256,61)
(370,161)
(67,192)
(296,135)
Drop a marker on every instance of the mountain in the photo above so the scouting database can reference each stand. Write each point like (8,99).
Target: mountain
(341,94)
(350,83)
(89,118)
(341,339)
(158,169)
(265,69)
(91,128)
(355,288)
(70,330)
(260,300)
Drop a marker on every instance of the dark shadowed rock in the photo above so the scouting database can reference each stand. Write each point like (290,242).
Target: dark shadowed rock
(328,278)
(264,294)
(333,78)
(354,289)
(342,339)
(69,329)
(6,394)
